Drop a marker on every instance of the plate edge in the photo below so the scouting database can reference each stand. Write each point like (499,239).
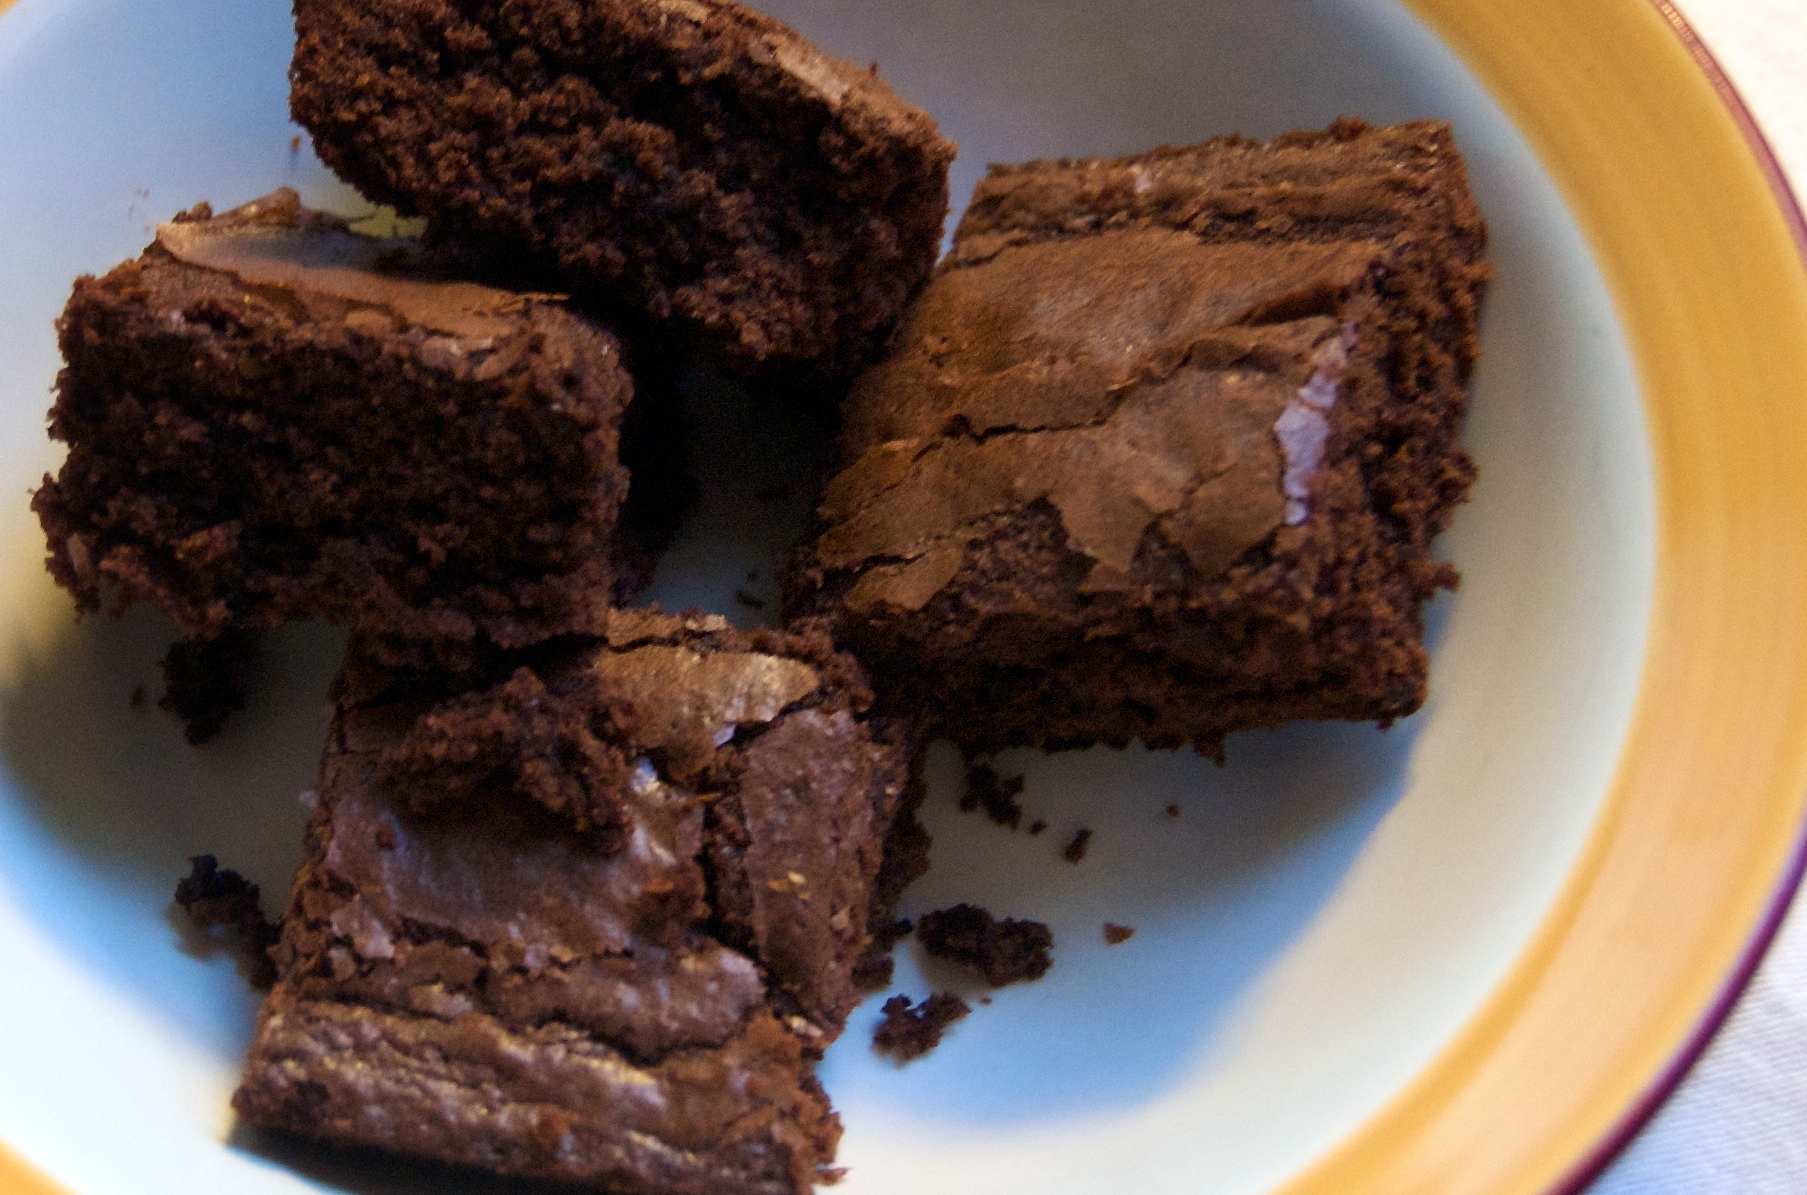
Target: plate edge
(1637,1117)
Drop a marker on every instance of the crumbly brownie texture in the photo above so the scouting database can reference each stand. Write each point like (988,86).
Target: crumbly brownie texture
(906,858)
(692,158)
(908,1033)
(999,951)
(996,795)
(597,933)
(215,897)
(270,417)
(206,681)
(876,967)
(1160,451)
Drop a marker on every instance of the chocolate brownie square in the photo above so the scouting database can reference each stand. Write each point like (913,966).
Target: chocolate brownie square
(692,159)
(270,417)
(1160,451)
(592,922)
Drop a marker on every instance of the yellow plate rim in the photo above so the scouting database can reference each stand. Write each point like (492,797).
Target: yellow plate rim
(1568,1115)
(1635,1118)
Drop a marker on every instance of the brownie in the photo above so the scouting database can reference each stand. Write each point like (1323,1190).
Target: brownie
(908,1033)
(593,922)
(1160,451)
(692,160)
(996,795)
(270,417)
(214,897)
(998,950)
(206,681)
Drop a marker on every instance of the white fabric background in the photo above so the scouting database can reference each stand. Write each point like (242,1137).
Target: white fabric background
(1738,1125)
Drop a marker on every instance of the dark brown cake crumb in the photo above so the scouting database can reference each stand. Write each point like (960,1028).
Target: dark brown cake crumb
(1116,935)
(1172,811)
(1037,827)
(997,796)
(1075,850)
(908,1033)
(217,897)
(1007,951)
(873,971)
(207,681)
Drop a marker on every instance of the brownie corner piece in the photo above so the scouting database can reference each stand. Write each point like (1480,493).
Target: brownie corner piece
(1160,451)
(694,161)
(591,920)
(270,417)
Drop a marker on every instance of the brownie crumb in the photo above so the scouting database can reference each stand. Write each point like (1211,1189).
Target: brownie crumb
(1075,850)
(1173,811)
(873,971)
(206,681)
(1116,935)
(1007,951)
(1037,827)
(748,600)
(294,145)
(985,1000)
(986,790)
(887,936)
(908,1033)
(214,896)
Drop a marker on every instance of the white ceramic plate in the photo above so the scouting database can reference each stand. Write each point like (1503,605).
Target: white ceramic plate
(1323,917)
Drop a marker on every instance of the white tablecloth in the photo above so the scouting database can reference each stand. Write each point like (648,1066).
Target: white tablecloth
(1738,1125)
